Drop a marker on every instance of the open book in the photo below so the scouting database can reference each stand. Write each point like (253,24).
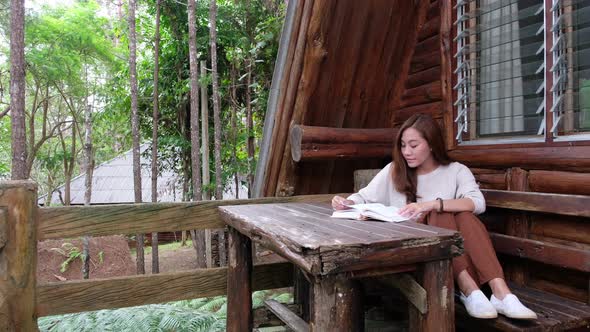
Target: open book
(375,211)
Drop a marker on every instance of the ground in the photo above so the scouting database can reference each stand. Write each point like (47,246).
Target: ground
(116,261)
(115,258)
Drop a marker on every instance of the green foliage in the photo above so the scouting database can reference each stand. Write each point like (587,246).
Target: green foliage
(204,314)
(71,253)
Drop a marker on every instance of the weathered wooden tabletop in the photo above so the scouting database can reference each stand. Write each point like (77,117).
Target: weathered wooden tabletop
(307,235)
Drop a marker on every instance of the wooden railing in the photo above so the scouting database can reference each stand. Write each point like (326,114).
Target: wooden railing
(22,224)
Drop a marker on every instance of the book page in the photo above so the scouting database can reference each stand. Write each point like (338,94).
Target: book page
(346,214)
(379,211)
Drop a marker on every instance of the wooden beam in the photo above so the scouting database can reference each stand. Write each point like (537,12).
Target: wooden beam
(559,182)
(263,317)
(337,305)
(411,289)
(437,279)
(324,143)
(517,223)
(87,295)
(564,158)
(72,221)
(544,252)
(239,283)
(446,71)
(569,205)
(18,255)
(287,316)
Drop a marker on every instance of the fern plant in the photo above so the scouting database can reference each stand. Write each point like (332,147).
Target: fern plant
(197,315)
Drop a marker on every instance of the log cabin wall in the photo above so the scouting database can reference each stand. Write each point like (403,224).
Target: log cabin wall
(346,64)
(372,64)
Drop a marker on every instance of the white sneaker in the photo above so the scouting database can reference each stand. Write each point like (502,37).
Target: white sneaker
(511,307)
(478,305)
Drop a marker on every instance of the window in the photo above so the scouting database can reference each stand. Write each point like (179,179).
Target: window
(502,86)
(571,68)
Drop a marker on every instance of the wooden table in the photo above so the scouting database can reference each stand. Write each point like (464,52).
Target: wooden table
(333,254)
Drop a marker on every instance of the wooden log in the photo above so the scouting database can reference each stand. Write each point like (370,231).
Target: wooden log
(280,139)
(570,158)
(437,279)
(18,255)
(290,319)
(425,94)
(446,78)
(72,221)
(408,55)
(559,182)
(411,289)
(315,55)
(87,295)
(571,229)
(392,257)
(263,317)
(428,45)
(337,305)
(423,77)
(544,252)
(430,28)
(518,223)
(491,181)
(569,205)
(422,62)
(433,10)
(323,143)
(280,81)
(435,109)
(239,283)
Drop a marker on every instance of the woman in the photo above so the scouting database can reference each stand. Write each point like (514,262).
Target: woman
(432,189)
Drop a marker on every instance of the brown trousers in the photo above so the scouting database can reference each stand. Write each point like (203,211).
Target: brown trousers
(479,257)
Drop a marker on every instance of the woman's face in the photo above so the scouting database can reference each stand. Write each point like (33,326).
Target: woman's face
(415,148)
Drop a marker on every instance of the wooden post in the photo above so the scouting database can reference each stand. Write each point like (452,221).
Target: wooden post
(239,283)
(518,224)
(301,291)
(437,279)
(18,255)
(337,305)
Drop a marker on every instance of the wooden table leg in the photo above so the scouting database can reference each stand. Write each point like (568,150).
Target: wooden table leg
(336,305)
(239,283)
(437,279)
(301,296)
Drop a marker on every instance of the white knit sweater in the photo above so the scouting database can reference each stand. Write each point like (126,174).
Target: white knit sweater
(452,181)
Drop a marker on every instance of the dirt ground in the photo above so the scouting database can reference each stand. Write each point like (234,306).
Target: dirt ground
(116,259)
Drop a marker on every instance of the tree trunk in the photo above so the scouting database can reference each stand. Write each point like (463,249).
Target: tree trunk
(156,114)
(205,133)
(216,110)
(89,167)
(135,128)
(69,164)
(198,241)
(194,102)
(17,89)
(204,236)
(250,125)
(216,122)
(234,128)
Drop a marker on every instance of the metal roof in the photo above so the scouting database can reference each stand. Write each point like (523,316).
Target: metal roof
(112,183)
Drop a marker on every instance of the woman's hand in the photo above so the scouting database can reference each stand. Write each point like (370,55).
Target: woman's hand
(412,210)
(341,203)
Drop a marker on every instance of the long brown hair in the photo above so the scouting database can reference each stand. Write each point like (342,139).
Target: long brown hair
(404,177)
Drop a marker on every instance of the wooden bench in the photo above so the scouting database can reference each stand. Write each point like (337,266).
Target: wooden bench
(556,313)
